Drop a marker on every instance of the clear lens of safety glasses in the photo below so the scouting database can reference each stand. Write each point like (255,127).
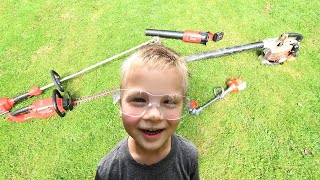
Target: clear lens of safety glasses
(136,103)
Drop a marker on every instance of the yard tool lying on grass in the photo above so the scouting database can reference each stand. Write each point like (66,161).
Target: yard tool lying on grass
(48,107)
(187,36)
(234,85)
(275,50)
(7,103)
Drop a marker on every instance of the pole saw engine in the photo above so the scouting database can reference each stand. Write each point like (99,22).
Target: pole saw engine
(281,50)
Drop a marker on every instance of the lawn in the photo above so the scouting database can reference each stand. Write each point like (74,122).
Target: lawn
(268,131)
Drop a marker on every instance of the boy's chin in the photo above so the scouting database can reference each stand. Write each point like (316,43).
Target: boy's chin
(152,144)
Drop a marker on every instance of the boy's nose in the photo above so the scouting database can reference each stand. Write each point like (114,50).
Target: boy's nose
(153,113)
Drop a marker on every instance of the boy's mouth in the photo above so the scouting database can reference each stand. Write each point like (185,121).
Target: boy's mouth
(152,132)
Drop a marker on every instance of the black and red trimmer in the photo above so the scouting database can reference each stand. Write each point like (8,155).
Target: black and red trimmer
(189,36)
(48,107)
(234,85)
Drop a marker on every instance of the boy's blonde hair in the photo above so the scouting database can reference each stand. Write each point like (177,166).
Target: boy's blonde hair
(156,57)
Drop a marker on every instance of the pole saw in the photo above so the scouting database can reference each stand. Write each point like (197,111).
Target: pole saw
(7,103)
(234,85)
(189,36)
(48,107)
(275,50)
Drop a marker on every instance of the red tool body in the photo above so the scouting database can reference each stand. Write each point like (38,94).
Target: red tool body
(7,103)
(48,107)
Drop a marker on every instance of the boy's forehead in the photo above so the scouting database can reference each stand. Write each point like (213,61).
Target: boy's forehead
(155,81)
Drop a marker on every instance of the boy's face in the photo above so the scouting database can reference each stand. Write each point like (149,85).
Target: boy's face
(151,131)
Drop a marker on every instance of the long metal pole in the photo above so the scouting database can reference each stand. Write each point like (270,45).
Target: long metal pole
(153,40)
(225,51)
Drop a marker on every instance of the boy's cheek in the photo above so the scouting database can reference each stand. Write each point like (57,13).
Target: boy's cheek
(128,120)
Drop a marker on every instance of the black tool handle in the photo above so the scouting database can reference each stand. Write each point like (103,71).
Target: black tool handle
(164,33)
(20,111)
(56,93)
(21,97)
(298,36)
(56,80)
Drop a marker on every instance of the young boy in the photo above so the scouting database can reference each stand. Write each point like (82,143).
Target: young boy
(154,83)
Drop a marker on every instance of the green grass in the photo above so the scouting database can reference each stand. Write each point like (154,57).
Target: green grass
(259,133)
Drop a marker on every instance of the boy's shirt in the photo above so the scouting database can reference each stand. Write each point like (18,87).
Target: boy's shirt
(180,163)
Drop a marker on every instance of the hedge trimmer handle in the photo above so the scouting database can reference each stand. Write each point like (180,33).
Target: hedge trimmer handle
(43,108)
(7,103)
(56,93)
(56,80)
(21,111)
(66,103)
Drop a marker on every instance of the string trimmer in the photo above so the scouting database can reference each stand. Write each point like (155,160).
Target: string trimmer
(7,103)
(234,85)
(275,50)
(47,107)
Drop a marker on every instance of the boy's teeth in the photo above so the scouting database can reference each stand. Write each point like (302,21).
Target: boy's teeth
(152,132)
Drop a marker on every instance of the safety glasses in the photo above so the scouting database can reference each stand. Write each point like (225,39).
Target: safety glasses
(136,103)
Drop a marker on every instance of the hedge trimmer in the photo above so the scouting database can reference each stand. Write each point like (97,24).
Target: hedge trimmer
(234,85)
(47,107)
(7,103)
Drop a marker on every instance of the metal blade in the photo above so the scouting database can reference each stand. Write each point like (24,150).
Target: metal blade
(89,98)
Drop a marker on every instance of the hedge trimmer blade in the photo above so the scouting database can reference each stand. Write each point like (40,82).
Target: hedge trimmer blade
(90,98)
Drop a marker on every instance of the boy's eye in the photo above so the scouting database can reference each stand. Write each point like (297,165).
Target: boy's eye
(169,101)
(137,100)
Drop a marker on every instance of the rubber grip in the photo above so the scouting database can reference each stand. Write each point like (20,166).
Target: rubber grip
(20,111)
(21,97)
(298,36)
(164,33)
